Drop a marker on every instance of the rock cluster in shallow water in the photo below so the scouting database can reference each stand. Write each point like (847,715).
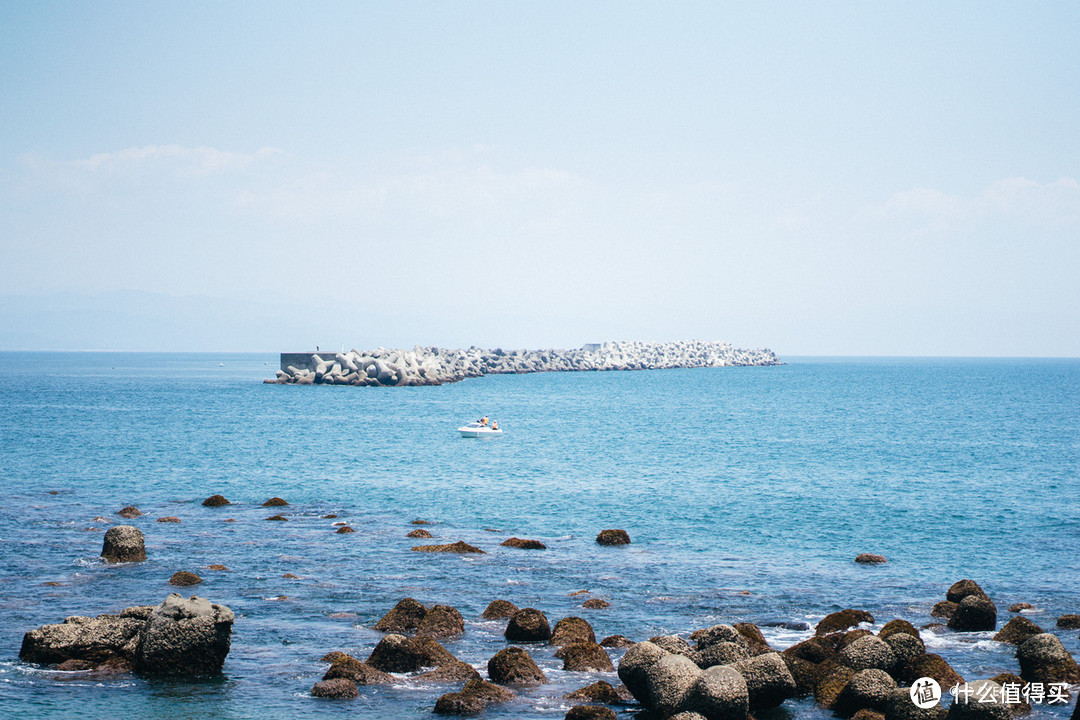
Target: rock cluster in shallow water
(436,366)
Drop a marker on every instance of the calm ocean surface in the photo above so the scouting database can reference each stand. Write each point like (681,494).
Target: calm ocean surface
(747,493)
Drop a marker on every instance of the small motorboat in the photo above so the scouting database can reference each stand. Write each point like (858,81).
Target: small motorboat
(479,430)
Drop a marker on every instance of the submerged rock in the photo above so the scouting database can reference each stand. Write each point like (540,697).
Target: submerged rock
(458,547)
(524,544)
(183,578)
(275,502)
(130,512)
(870,559)
(215,501)
(595,604)
(613,537)
(419,533)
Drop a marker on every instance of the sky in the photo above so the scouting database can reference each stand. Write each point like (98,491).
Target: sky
(818,178)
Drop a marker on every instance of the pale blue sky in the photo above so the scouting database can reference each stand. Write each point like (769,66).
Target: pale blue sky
(818,178)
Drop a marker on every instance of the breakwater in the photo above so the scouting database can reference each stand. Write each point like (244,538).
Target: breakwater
(436,366)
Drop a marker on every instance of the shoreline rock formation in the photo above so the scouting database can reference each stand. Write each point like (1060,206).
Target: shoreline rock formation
(436,366)
(181,636)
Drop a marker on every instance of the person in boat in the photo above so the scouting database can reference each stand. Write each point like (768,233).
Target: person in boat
(484,421)
(495,425)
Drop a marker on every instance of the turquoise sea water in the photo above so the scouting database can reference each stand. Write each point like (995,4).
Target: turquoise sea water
(747,493)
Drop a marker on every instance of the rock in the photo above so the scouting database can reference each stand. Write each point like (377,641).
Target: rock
(974,613)
(962,589)
(497,609)
(218,568)
(513,666)
(898,626)
(275,502)
(129,512)
(633,666)
(215,501)
(868,652)
(184,637)
(721,653)
(590,712)
(336,656)
(278,518)
(985,702)
(616,641)
(943,609)
(473,698)
(90,640)
(1017,630)
(1069,622)
(1018,607)
(359,673)
(831,683)
(123,543)
(1044,659)
(865,714)
(451,672)
(397,653)
(756,642)
(524,544)
(344,530)
(930,665)
(899,706)
(1016,708)
(528,625)
(867,689)
(336,688)
(842,620)
(718,693)
(418,521)
(805,673)
(905,647)
(768,680)
(183,578)
(441,621)
(458,547)
(168,519)
(419,533)
(870,559)
(600,691)
(677,646)
(585,656)
(689,715)
(668,681)
(75,666)
(572,630)
(406,615)
(816,649)
(595,604)
(717,634)
(613,537)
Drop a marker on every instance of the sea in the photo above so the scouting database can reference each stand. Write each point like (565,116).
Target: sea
(747,492)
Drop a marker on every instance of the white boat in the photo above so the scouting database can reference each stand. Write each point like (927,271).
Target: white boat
(476,430)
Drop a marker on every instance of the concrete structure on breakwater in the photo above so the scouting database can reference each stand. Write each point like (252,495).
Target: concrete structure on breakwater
(435,366)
